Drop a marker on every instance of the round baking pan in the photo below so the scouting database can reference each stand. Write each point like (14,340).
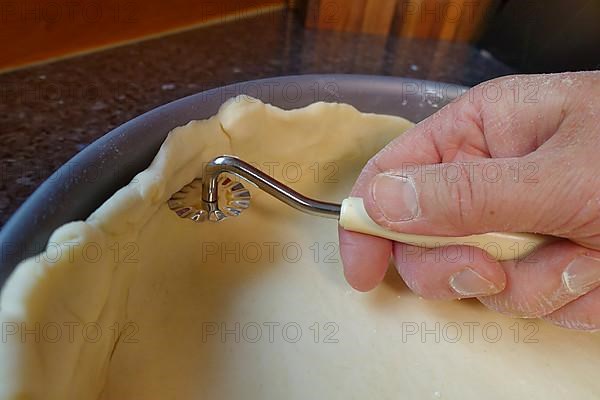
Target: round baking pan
(81,185)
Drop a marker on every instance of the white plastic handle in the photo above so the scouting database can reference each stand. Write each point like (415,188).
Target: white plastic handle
(501,246)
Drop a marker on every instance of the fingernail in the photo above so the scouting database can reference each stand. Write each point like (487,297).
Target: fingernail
(582,275)
(395,196)
(469,283)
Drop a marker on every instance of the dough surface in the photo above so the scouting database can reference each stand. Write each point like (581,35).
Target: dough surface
(256,307)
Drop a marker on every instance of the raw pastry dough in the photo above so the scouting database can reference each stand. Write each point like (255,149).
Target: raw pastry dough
(150,306)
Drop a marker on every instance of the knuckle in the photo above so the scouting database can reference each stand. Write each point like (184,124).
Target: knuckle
(586,323)
(460,208)
(505,303)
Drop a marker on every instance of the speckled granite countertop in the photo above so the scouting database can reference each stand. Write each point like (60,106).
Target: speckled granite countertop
(50,112)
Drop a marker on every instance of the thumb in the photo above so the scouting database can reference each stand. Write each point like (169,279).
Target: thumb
(461,198)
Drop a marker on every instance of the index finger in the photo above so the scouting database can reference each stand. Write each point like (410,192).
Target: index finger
(366,258)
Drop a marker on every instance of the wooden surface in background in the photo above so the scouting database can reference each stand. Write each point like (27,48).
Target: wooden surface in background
(369,16)
(35,30)
(454,20)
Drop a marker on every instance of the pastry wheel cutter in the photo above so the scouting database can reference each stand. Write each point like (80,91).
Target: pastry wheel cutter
(216,197)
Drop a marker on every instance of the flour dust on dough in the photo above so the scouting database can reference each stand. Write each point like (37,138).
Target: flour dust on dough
(256,307)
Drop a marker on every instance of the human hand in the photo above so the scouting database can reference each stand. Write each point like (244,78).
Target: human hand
(516,154)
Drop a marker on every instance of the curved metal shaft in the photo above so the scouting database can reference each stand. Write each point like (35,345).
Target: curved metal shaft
(264,182)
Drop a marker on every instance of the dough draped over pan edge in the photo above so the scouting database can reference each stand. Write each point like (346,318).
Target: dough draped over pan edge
(77,283)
